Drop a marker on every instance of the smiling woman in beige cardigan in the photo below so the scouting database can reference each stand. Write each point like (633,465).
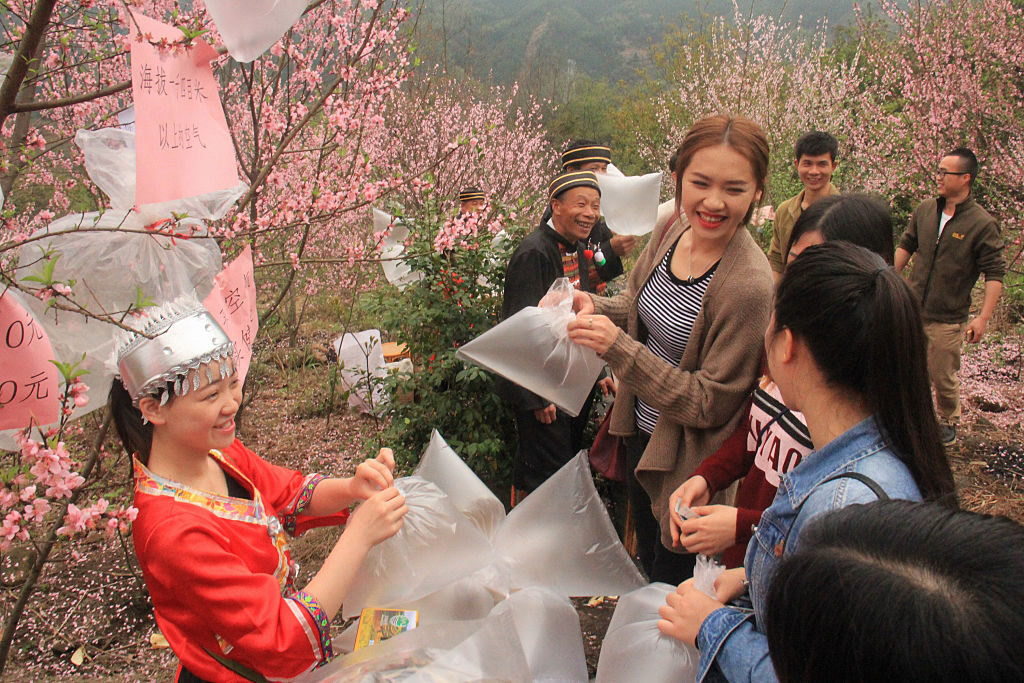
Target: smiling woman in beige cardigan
(685,339)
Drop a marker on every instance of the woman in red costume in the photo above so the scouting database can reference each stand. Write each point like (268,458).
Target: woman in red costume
(211,532)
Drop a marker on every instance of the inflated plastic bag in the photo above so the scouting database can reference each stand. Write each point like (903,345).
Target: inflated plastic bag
(397,271)
(549,631)
(252,27)
(361,358)
(485,649)
(633,643)
(534,635)
(532,348)
(443,467)
(110,163)
(561,538)
(436,545)
(629,204)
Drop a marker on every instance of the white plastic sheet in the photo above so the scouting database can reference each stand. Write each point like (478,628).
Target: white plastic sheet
(396,270)
(422,557)
(361,358)
(633,643)
(560,538)
(629,204)
(110,269)
(442,466)
(250,28)
(532,348)
(110,163)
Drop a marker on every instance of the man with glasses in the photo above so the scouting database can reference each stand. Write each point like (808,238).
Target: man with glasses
(954,240)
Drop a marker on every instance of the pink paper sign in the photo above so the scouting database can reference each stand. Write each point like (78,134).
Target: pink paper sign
(233,304)
(182,144)
(29,382)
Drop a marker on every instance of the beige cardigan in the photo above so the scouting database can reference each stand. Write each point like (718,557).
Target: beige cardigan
(701,400)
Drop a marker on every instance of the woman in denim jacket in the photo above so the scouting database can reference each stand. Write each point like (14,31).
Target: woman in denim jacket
(854,364)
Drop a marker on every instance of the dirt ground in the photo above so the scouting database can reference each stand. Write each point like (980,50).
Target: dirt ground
(91,617)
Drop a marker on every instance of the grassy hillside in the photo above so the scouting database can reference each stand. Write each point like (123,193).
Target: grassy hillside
(536,40)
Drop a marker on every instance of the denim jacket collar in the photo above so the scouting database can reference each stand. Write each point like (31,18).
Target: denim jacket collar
(860,441)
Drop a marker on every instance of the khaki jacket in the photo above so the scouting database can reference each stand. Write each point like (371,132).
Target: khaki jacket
(701,401)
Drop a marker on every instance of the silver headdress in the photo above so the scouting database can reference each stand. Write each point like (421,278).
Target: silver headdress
(174,341)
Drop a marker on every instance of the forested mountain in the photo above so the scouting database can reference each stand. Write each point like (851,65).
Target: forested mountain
(545,41)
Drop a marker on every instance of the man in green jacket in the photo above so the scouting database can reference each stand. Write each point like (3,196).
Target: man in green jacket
(952,240)
(815,158)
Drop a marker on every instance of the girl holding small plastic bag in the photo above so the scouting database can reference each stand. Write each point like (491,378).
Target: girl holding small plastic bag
(210,534)
(684,339)
(853,365)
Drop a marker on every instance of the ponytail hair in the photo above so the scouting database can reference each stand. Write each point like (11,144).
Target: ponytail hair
(927,594)
(865,334)
(136,436)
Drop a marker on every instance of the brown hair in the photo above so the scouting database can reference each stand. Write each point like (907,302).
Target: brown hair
(742,134)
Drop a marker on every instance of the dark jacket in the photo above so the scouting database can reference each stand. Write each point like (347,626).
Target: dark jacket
(534,265)
(600,236)
(947,266)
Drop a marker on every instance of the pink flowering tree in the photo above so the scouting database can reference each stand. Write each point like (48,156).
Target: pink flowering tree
(947,74)
(495,143)
(754,66)
(501,148)
(305,119)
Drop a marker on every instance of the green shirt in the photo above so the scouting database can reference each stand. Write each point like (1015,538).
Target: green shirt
(782,228)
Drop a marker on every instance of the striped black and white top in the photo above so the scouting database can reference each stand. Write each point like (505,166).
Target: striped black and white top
(668,307)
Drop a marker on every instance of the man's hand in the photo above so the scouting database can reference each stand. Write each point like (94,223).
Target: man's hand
(976,329)
(623,244)
(607,386)
(546,415)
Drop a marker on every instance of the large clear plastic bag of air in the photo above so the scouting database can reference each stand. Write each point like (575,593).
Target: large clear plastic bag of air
(532,349)
(534,635)
(561,538)
(435,545)
(634,644)
(442,466)
(629,204)
(251,28)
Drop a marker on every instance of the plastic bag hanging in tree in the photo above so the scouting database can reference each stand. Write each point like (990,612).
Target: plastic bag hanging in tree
(532,348)
(110,162)
(111,270)
(633,640)
(392,247)
(252,27)
(629,204)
